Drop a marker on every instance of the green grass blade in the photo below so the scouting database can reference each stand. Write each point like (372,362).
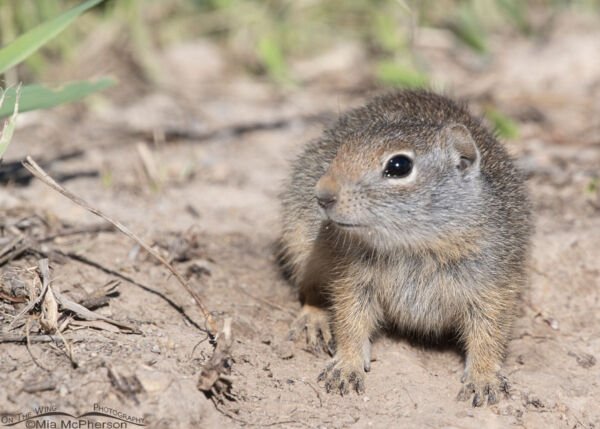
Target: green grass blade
(270,54)
(9,127)
(28,43)
(468,28)
(39,97)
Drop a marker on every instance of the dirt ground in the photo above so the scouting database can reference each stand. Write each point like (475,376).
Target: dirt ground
(218,145)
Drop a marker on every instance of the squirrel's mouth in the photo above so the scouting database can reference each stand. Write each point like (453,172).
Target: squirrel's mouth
(346,225)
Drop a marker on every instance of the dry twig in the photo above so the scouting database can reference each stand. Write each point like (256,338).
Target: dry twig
(28,345)
(14,253)
(12,243)
(15,299)
(84,313)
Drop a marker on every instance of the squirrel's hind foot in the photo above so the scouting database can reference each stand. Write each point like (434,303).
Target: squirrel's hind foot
(315,322)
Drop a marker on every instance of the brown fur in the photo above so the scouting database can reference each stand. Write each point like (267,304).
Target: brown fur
(443,249)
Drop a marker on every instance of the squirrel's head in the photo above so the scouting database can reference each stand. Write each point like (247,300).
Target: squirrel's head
(403,184)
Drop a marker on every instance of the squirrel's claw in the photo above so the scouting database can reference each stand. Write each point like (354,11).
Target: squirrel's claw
(342,378)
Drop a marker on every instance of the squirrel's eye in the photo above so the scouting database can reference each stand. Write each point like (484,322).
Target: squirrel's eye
(398,166)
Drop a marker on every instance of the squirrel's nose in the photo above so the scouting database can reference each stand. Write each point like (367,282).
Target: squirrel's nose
(326,200)
(326,192)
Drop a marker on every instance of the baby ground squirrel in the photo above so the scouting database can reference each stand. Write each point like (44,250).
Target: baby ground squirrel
(407,213)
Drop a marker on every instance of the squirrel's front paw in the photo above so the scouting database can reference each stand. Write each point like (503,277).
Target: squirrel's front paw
(482,389)
(342,377)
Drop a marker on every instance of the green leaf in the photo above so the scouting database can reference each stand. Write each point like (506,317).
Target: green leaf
(9,127)
(28,43)
(39,97)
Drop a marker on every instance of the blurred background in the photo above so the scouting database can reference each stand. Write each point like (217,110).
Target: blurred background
(350,44)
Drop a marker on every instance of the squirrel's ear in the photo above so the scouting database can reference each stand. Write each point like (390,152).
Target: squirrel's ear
(459,140)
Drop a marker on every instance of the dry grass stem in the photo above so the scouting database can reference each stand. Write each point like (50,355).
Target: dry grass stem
(84,313)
